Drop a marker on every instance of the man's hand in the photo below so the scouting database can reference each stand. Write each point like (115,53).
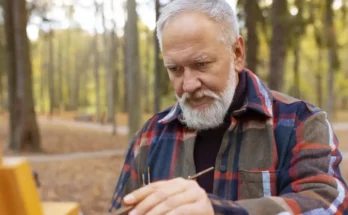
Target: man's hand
(176,196)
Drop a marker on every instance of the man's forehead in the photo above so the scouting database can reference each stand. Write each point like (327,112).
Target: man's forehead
(201,56)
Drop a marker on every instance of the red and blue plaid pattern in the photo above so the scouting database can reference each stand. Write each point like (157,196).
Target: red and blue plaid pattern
(278,155)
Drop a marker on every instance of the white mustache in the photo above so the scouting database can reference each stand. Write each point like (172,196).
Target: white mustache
(199,94)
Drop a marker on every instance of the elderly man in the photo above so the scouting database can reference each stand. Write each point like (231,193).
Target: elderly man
(272,154)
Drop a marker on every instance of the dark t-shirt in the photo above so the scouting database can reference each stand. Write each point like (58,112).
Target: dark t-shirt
(208,142)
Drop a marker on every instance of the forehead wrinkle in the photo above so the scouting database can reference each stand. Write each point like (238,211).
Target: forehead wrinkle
(202,57)
(185,58)
(174,50)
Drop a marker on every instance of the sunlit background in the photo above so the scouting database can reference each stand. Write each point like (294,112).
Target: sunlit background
(75,74)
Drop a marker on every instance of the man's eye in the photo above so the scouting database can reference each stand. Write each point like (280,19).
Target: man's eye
(202,64)
(173,69)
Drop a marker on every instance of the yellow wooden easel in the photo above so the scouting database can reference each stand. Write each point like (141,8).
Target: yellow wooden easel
(19,195)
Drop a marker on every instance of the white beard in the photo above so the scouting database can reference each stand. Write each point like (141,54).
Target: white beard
(212,116)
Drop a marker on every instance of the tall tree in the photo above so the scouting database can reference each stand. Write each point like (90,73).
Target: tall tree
(51,72)
(279,16)
(319,41)
(157,87)
(96,67)
(60,73)
(76,83)
(344,11)
(24,132)
(2,71)
(147,69)
(125,75)
(76,75)
(252,12)
(42,71)
(331,43)
(113,67)
(109,58)
(68,64)
(319,78)
(133,80)
(297,26)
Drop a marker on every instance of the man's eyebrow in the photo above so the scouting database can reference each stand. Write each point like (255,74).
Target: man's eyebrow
(200,58)
(169,64)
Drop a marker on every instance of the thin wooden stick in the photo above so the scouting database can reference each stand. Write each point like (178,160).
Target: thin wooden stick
(201,173)
(126,209)
(148,176)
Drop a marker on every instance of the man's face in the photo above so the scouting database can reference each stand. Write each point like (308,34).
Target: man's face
(201,68)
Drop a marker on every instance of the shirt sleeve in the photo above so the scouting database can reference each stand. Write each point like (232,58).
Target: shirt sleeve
(128,179)
(310,182)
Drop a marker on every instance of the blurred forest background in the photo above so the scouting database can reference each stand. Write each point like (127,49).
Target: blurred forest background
(81,75)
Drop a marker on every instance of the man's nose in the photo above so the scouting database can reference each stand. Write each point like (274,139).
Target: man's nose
(191,82)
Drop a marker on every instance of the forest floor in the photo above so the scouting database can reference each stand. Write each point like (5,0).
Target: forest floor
(82,163)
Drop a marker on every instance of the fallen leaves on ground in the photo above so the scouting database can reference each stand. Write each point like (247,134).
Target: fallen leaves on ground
(344,170)
(121,118)
(57,139)
(90,182)
(343,140)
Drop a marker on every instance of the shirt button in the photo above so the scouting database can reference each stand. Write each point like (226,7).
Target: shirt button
(223,168)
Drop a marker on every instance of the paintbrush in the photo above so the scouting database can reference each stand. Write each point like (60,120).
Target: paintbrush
(126,209)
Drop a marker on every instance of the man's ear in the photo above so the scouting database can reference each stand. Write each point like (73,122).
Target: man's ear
(239,54)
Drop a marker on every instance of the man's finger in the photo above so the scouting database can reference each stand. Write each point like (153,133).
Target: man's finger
(182,198)
(157,197)
(138,195)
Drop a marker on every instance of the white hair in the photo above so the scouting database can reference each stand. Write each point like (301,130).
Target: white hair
(218,10)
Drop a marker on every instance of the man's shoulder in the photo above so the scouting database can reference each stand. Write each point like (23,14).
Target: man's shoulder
(155,122)
(286,106)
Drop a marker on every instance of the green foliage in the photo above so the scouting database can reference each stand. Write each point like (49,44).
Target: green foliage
(306,28)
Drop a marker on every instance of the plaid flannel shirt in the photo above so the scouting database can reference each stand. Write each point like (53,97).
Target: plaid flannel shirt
(279,156)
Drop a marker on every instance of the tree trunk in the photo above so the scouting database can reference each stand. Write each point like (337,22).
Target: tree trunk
(125,73)
(42,45)
(252,42)
(331,42)
(68,69)
(60,62)
(84,78)
(319,78)
(297,86)
(132,57)
(11,68)
(157,87)
(146,76)
(278,44)
(96,70)
(1,86)
(113,57)
(2,74)
(24,132)
(50,73)
(345,98)
(2,70)
(109,45)
(96,78)
(76,89)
